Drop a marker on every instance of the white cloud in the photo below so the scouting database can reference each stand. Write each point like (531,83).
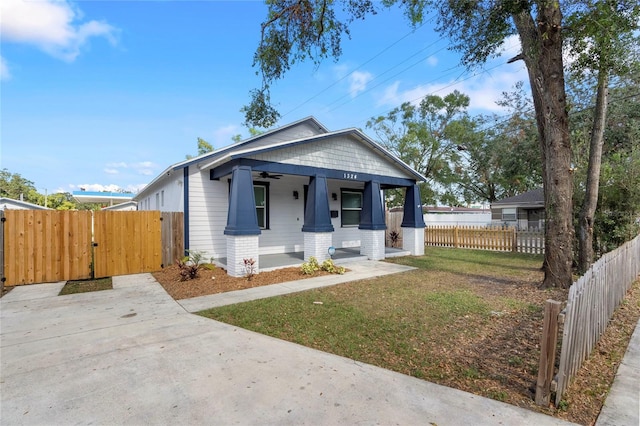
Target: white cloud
(145,168)
(52,26)
(120,165)
(483,89)
(358,82)
(5,74)
(97,187)
(510,47)
(432,61)
(340,71)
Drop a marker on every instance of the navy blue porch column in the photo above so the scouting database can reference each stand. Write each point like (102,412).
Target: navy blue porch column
(241,216)
(372,216)
(413,222)
(317,227)
(242,228)
(372,225)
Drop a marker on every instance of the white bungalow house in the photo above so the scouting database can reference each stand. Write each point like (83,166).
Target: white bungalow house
(297,188)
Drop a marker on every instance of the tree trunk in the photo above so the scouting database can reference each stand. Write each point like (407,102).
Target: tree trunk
(588,210)
(542,53)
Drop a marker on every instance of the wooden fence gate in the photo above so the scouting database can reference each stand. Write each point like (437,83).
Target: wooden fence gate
(126,242)
(42,246)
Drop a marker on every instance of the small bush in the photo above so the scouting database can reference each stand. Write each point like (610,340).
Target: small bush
(394,236)
(331,268)
(249,268)
(310,267)
(191,265)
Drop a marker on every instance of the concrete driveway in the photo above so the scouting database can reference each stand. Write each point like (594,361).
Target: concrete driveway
(133,355)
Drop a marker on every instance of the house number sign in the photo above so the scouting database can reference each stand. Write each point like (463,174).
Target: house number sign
(352,176)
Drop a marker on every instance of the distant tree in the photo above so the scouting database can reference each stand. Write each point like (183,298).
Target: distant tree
(498,157)
(252,132)
(496,163)
(13,185)
(203,148)
(421,136)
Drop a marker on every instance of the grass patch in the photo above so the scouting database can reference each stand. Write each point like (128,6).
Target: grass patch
(85,286)
(474,262)
(421,323)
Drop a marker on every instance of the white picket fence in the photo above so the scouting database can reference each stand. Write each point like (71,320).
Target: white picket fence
(590,305)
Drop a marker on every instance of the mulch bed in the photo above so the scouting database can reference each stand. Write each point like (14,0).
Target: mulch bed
(217,281)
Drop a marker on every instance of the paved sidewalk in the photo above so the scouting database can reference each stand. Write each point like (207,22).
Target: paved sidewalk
(132,355)
(622,406)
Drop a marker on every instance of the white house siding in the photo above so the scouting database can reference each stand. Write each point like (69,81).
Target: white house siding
(208,204)
(208,201)
(340,152)
(299,131)
(348,236)
(286,215)
(172,201)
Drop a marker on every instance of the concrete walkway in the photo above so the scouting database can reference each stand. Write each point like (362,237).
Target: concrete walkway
(132,355)
(622,406)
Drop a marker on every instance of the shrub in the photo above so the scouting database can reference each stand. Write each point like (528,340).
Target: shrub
(331,268)
(310,267)
(191,264)
(249,268)
(394,236)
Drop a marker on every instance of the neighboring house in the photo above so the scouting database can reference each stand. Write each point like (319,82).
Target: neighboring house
(107,199)
(450,216)
(297,188)
(524,211)
(122,207)
(11,204)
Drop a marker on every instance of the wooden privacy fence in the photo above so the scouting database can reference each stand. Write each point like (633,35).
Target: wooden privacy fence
(485,238)
(591,302)
(48,245)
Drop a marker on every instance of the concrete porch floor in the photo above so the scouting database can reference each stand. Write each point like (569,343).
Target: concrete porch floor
(270,262)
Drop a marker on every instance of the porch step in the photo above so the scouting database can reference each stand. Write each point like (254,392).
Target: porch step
(397,253)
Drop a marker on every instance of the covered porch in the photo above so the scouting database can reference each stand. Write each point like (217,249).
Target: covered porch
(257,219)
(342,256)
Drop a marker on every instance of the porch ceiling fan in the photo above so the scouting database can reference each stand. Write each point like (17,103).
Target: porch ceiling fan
(265,175)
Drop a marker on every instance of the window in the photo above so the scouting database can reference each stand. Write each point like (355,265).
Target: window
(509,215)
(162,198)
(261,193)
(157,201)
(351,207)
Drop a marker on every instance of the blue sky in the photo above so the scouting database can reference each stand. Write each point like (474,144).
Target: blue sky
(107,94)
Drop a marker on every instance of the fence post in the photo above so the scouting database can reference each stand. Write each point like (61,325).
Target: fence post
(455,236)
(548,343)
(514,240)
(2,278)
